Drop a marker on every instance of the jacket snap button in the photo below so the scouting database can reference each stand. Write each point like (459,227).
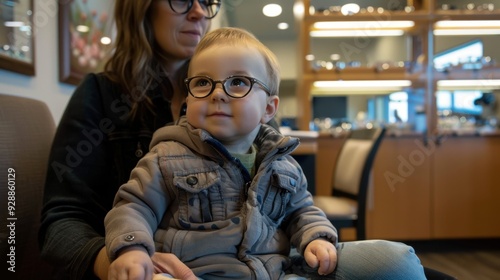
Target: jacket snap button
(129,237)
(192,180)
(139,153)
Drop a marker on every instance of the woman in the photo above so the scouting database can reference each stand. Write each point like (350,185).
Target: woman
(107,128)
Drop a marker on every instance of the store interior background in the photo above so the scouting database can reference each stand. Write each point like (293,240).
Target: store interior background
(45,85)
(442,185)
(366,51)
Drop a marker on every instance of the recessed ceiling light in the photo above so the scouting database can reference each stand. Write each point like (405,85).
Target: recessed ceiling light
(282,25)
(350,9)
(105,40)
(272,10)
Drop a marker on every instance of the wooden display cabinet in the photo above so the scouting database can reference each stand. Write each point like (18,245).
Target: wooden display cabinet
(400,204)
(422,51)
(466,187)
(449,189)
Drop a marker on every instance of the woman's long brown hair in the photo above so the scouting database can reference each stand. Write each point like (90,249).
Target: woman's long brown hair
(136,61)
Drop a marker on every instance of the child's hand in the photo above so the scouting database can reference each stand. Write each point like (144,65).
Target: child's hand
(133,263)
(321,253)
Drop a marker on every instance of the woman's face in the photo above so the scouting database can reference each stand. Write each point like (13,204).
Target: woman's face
(178,34)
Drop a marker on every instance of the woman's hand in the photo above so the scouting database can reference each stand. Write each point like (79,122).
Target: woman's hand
(322,254)
(101,264)
(162,262)
(169,263)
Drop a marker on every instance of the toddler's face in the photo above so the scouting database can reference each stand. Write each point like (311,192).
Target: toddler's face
(230,119)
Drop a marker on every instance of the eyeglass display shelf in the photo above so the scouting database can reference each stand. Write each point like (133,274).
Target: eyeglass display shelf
(424,16)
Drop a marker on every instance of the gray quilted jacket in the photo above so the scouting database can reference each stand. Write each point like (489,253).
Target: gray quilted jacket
(188,196)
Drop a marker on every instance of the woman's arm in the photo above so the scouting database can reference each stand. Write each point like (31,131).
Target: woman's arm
(79,186)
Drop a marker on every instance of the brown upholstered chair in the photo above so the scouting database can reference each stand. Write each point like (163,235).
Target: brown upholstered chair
(346,206)
(26,132)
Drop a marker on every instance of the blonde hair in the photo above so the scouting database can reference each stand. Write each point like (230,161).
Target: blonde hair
(136,63)
(237,37)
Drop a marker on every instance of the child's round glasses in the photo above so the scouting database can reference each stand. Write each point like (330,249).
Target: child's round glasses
(234,86)
(210,7)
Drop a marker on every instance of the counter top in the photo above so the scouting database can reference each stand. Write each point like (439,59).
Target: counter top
(306,137)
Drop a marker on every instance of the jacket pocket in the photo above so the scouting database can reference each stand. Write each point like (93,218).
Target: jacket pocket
(283,186)
(200,198)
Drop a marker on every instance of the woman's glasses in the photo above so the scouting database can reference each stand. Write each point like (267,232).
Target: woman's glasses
(210,7)
(234,86)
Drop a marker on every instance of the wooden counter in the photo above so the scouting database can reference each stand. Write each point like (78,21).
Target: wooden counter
(446,188)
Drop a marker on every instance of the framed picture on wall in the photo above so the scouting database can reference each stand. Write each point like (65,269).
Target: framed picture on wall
(17,50)
(85,38)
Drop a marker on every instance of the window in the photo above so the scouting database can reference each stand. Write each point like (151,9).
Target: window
(398,107)
(459,102)
(468,52)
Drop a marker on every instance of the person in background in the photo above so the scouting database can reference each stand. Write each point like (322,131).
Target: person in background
(222,191)
(490,113)
(107,127)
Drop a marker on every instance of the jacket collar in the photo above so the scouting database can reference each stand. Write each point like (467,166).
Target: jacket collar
(270,143)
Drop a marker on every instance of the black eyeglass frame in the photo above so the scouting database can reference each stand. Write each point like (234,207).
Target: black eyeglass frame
(222,82)
(206,3)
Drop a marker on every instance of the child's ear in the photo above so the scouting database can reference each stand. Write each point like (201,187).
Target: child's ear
(271,108)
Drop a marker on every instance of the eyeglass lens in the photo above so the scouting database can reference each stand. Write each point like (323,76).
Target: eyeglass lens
(237,86)
(210,7)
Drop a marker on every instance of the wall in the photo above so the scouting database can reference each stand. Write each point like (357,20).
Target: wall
(286,52)
(45,84)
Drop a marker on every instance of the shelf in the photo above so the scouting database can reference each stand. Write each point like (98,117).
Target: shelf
(421,77)
(417,16)
(461,74)
(466,15)
(387,15)
(362,73)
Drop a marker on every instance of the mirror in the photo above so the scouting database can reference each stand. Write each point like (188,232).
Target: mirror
(16,36)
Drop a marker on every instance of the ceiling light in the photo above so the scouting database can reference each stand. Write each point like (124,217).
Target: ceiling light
(467,24)
(360,28)
(355,33)
(272,10)
(366,86)
(485,84)
(298,10)
(105,40)
(282,26)
(467,27)
(363,83)
(350,9)
(383,24)
(463,32)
